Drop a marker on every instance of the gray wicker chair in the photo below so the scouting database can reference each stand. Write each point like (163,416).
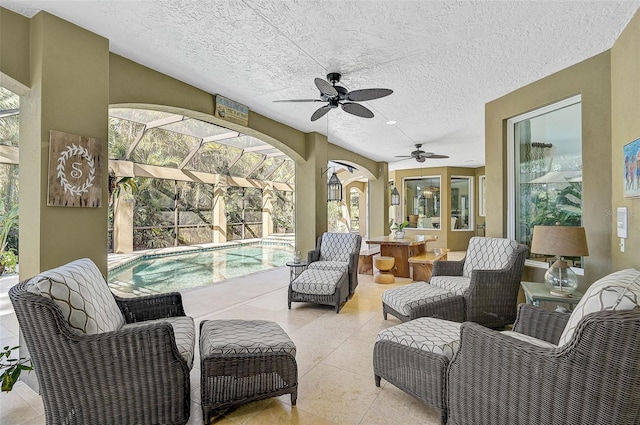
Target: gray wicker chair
(99,370)
(337,251)
(594,379)
(483,287)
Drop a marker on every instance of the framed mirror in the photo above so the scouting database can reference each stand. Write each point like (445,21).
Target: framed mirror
(422,202)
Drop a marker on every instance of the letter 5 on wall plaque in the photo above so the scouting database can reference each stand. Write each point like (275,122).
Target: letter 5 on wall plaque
(75,178)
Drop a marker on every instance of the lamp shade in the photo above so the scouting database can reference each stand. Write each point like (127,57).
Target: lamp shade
(334,188)
(395,196)
(563,241)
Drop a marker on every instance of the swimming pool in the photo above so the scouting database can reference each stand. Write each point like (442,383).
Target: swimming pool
(152,274)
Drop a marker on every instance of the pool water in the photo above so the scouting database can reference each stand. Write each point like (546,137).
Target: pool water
(150,275)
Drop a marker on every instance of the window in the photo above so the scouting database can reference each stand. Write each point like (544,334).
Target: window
(461,196)
(545,172)
(422,202)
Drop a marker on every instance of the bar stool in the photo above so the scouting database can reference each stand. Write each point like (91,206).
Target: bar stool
(384,265)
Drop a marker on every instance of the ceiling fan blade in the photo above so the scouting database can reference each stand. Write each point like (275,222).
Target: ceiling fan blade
(357,109)
(325,87)
(436,156)
(321,112)
(403,156)
(299,100)
(368,94)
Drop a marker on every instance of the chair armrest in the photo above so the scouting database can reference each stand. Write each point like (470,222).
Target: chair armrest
(447,268)
(139,309)
(313,255)
(540,323)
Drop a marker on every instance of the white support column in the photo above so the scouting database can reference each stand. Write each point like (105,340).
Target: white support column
(219,215)
(267,210)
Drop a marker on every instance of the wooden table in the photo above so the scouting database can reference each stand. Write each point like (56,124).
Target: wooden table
(423,264)
(401,250)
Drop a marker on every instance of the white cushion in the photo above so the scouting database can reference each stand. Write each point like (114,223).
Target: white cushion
(404,299)
(454,284)
(488,254)
(338,266)
(317,282)
(183,330)
(617,291)
(244,337)
(426,333)
(531,340)
(82,294)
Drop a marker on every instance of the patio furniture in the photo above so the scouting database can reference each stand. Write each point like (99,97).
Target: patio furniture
(482,288)
(329,287)
(103,359)
(578,368)
(244,361)
(384,266)
(338,252)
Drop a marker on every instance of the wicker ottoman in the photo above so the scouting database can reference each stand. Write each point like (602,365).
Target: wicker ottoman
(414,357)
(329,287)
(243,361)
(421,299)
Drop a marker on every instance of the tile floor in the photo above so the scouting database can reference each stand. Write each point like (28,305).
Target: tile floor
(334,355)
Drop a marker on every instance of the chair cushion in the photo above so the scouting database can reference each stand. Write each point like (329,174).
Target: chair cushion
(82,294)
(618,291)
(317,282)
(426,333)
(488,254)
(339,266)
(404,299)
(455,284)
(338,246)
(244,337)
(529,339)
(184,331)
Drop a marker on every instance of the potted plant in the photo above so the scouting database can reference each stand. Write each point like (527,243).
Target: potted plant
(11,368)
(398,228)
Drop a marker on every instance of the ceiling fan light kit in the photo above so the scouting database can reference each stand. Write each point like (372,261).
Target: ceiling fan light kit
(336,96)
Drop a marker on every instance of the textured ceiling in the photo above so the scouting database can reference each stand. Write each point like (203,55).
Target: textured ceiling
(443,59)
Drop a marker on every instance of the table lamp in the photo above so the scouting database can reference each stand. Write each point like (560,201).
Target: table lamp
(561,241)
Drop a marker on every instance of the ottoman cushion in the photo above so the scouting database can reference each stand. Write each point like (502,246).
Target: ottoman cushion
(426,333)
(405,298)
(455,284)
(244,337)
(317,282)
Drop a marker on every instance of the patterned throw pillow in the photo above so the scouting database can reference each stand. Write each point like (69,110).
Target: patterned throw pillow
(488,254)
(617,291)
(80,291)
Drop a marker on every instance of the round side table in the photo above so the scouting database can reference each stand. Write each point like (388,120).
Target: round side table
(295,268)
(384,266)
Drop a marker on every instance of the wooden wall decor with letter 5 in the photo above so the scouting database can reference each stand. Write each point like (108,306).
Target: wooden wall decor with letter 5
(75,178)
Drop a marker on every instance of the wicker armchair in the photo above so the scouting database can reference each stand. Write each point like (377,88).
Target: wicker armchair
(593,379)
(94,366)
(483,287)
(340,252)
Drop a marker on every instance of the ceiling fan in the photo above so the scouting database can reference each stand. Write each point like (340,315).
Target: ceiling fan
(421,155)
(339,96)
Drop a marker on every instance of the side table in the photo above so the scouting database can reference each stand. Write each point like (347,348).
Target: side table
(535,292)
(295,269)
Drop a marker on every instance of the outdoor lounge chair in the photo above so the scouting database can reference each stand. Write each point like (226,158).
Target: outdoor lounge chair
(339,252)
(101,359)
(483,287)
(553,368)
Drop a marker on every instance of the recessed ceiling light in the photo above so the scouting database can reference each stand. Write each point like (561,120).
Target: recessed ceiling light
(391,122)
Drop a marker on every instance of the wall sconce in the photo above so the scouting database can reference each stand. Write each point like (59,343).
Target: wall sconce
(395,196)
(334,187)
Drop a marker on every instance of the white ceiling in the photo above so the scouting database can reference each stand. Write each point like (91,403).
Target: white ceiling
(443,59)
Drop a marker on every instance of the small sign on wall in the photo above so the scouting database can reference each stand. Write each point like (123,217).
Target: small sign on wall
(231,111)
(75,178)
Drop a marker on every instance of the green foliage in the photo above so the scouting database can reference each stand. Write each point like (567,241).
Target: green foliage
(9,260)
(397,227)
(11,368)
(8,219)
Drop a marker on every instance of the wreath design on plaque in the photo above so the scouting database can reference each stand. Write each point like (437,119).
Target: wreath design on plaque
(76,171)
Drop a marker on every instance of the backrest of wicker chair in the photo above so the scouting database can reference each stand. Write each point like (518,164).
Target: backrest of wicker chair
(338,246)
(488,254)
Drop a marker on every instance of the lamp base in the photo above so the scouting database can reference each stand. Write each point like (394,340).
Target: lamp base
(560,294)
